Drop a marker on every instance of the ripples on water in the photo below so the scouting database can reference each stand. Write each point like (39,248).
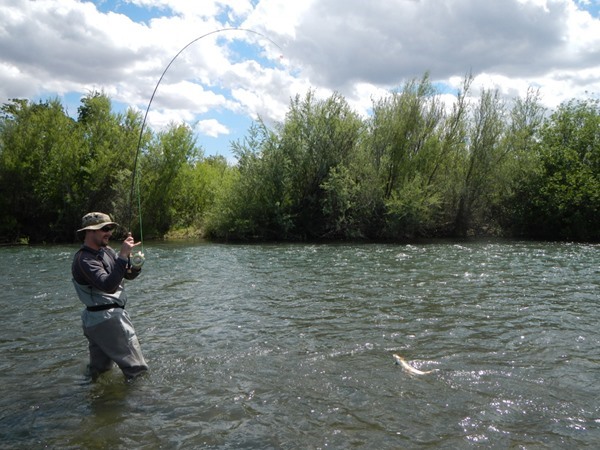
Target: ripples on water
(289,346)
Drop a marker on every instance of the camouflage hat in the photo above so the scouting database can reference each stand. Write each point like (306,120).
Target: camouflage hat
(95,221)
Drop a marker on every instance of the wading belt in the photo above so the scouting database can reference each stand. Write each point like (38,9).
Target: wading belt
(104,307)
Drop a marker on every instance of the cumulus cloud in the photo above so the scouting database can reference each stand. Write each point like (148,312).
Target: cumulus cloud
(211,127)
(383,41)
(357,48)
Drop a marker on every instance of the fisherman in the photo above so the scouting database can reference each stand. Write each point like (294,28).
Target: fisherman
(98,273)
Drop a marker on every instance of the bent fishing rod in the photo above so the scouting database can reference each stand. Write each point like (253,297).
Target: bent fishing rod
(134,177)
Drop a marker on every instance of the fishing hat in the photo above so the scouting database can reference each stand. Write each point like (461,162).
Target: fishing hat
(95,221)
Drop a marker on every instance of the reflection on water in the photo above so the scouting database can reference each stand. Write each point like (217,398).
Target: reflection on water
(290,346)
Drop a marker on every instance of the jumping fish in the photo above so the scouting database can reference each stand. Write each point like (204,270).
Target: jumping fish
(410,369)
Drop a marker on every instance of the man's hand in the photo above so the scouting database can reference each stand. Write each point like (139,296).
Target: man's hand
(127,246)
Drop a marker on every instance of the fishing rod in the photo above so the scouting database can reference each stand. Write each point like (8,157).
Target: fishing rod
(138,258)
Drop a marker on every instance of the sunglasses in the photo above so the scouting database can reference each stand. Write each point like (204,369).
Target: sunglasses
(107,228)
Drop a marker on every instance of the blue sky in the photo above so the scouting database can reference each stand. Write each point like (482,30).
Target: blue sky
(221,83)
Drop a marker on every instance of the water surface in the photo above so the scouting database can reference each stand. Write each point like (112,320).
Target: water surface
(290,346)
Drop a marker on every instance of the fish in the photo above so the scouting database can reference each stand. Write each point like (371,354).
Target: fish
(410,369)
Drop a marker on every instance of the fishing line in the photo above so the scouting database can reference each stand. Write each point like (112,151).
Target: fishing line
(134,178)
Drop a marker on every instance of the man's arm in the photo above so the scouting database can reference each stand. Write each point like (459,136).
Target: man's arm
(88,269)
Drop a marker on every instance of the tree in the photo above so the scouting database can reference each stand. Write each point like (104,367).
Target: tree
(405,136)
(195,190)
(317,137)
(561,199)
(522,141)
(109,153)
(40,155)
(281,190)
(483,160)
(165,159)
(253,201)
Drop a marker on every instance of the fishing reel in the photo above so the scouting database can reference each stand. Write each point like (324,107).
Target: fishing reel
(137,260)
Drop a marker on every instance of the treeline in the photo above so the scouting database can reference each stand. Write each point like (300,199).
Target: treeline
(415,168)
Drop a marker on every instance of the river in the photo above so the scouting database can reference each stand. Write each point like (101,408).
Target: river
(289,346)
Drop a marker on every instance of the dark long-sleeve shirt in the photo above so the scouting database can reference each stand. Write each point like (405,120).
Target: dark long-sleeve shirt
(98,278)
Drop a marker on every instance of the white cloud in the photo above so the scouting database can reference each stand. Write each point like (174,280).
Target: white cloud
(280,17)
(359,49)
(212,128)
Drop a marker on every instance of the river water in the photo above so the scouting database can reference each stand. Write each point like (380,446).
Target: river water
(290,347)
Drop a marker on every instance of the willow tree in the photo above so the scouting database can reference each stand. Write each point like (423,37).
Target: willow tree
(485,155)
(317,137)
(161,164)
(282,189)
(40,159)
(405,135)
(195,191)
(252,201)
(560,199)
(110,145)
(522,142)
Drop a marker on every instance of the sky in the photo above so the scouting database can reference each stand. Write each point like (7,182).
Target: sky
(234,61)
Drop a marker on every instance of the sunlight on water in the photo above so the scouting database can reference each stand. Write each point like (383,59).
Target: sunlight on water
(290,346)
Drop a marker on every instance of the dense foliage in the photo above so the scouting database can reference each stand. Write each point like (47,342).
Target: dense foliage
(416,167)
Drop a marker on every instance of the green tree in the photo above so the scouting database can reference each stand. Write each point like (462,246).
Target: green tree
(352,199)
(444,173)
(253,202)
(195,191)
(483,160)
(561,199)
(522,142)
(160,168)
(110,145)
(40,155)
(406,136)
(317,137)
(282,189)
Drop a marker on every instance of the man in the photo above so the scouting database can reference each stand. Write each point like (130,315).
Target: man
(98,273)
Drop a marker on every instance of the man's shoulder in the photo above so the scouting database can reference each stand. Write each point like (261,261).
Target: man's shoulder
(84,253)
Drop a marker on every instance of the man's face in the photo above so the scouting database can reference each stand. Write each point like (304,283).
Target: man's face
(102,236)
